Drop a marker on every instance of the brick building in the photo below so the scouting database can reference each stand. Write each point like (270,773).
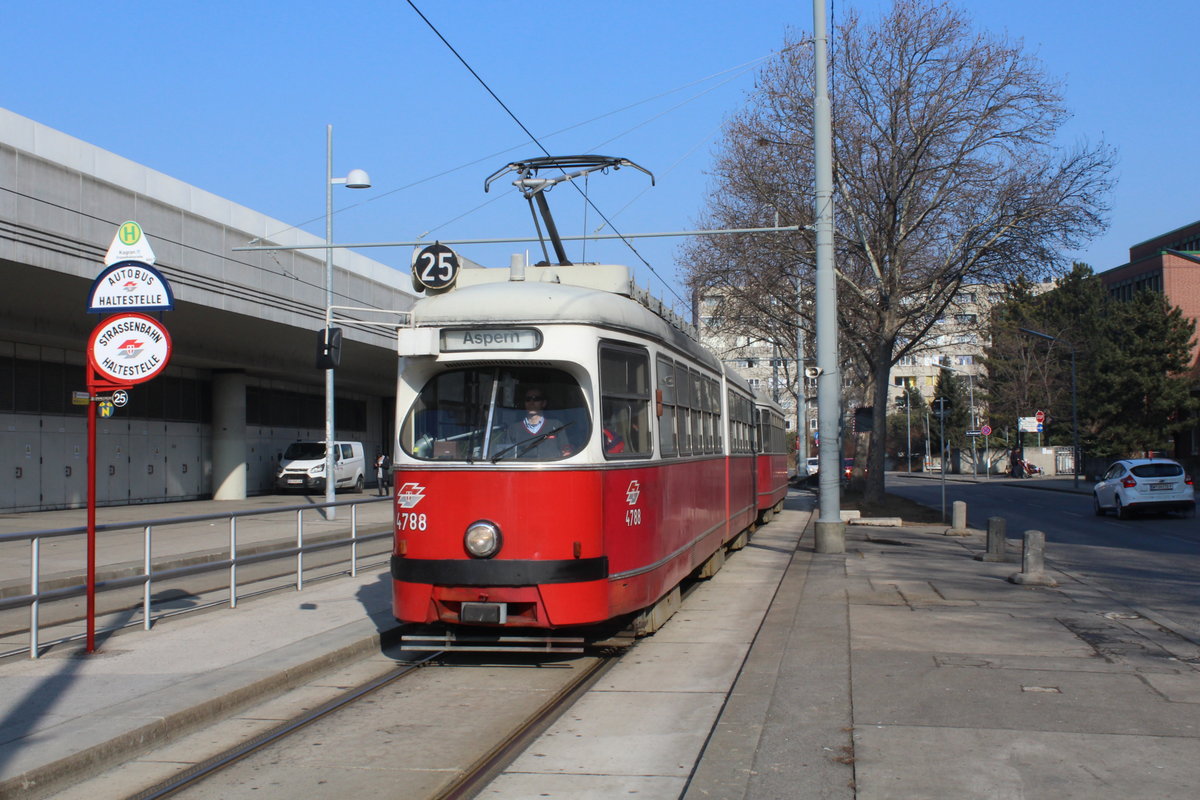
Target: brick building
(1170,264)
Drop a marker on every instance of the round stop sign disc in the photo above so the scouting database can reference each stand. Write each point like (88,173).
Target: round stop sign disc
(129,348)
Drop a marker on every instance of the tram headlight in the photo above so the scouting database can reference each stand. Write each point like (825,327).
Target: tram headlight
(482,539)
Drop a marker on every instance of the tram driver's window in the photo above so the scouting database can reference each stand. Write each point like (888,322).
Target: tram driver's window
(625,402)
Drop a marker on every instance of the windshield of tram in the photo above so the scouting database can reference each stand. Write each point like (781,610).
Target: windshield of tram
(497,413)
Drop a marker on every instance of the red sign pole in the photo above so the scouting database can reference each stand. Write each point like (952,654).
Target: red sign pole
(91,511)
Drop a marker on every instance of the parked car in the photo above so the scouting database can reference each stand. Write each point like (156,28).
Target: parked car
(847,468)
(1144,484)
(302,466)
(813,465)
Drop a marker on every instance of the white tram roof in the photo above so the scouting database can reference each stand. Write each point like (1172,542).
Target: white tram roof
(603,295)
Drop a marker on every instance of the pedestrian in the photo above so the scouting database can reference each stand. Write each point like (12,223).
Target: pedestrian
(383,472)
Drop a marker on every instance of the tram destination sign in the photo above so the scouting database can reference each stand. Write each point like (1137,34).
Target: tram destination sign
(129,348)
(461,340)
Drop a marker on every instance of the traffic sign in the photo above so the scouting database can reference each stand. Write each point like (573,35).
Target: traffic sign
(986,430)
(1040,416)
(129,244)
(130,286)
(129,348)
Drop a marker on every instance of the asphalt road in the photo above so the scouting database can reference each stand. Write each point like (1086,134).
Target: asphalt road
(1150,562)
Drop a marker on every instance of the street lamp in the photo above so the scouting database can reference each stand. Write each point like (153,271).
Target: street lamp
(357,179)
(1074,406)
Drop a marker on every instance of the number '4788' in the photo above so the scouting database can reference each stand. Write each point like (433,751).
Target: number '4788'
(411,521)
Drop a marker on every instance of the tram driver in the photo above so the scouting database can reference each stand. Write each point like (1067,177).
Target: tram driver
(552,441)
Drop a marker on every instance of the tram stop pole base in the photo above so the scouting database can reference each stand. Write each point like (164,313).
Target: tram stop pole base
(830,537)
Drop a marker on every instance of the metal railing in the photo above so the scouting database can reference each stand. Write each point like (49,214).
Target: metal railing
(149,575)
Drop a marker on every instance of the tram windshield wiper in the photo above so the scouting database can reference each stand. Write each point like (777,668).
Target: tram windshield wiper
(528,443)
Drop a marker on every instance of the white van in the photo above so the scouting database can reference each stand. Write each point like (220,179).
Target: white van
(302,466)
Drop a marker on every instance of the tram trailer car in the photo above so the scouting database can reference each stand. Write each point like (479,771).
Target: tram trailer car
(642,472)
(771,460)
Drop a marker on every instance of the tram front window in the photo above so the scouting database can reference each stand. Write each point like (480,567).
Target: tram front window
(497,414)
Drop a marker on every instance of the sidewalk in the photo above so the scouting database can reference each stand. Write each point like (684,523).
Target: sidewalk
(907,669)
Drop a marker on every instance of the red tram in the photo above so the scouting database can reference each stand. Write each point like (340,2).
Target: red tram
(566,451)
(566,456)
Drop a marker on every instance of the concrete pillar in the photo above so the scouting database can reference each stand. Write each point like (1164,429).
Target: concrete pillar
(1033,571)
(830,537)
(229,436)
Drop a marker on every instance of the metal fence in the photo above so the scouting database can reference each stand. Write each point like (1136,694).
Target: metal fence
(149,575)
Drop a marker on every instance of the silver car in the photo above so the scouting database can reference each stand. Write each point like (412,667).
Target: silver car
(1144,484)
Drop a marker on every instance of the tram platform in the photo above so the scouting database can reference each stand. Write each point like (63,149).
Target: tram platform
(902,668)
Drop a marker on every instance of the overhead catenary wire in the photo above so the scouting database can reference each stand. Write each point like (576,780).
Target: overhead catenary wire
(739,70)
(542,147)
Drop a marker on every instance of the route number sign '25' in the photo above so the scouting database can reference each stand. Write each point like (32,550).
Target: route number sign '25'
(435,267)
(129,348)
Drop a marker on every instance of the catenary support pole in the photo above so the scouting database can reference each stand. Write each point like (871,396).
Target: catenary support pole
(830,530)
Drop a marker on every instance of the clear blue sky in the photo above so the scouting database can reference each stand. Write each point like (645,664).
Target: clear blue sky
(234,98)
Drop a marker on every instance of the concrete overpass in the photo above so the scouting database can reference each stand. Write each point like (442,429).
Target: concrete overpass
(241,383)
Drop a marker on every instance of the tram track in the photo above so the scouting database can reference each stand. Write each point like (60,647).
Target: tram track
(511,699)
(214,764)
(493,763)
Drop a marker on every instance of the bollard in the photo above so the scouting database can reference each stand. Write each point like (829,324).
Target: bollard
(958,519)
(997,541)
(1033,571)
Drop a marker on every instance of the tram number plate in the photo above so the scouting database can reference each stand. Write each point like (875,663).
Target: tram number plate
(489,613)
(633,516)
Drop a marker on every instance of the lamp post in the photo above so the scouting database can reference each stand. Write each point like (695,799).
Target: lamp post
(940,403)
(356,179)
(1074,406)
(906,400)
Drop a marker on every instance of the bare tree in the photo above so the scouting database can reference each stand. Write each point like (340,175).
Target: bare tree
(947,173)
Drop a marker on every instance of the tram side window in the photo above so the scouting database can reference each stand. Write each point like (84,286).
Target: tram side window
(741,430)
(733,423)
(683,409)
(667,438)
(625,401)
(714,410)
(697,425)
(714,396)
